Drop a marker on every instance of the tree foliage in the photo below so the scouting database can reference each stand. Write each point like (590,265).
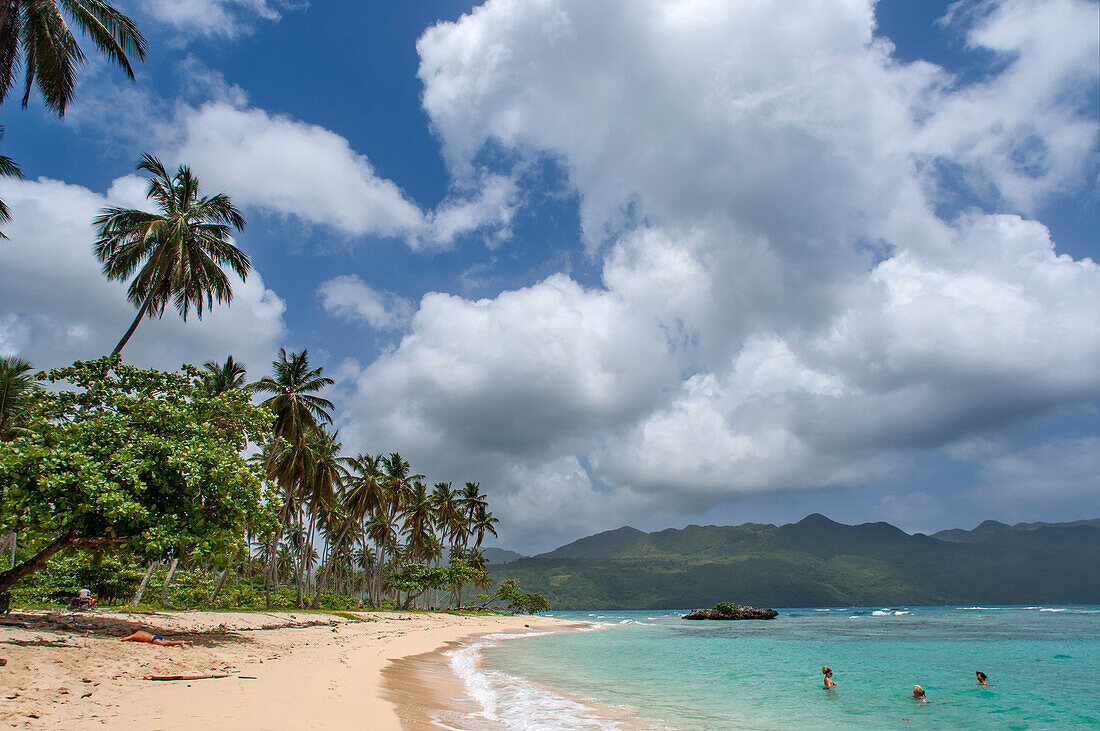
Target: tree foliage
(518,602)
(144,459)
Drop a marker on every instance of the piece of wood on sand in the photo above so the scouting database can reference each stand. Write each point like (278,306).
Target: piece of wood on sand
(193,676)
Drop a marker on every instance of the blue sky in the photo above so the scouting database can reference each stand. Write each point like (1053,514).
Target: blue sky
(629,262)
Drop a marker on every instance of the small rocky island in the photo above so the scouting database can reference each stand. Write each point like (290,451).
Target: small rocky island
(727,610)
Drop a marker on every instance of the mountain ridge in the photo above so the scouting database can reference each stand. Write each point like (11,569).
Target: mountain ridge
(818,562)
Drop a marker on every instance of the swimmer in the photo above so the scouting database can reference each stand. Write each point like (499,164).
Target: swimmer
(981,677)
(142,636)
(918,693)
(828,673)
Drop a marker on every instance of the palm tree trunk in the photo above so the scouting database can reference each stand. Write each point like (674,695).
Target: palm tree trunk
(168,580)
(134,324)
(220,584)
(144,583)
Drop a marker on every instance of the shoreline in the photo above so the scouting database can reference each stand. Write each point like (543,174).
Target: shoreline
(284,669)
(448,687)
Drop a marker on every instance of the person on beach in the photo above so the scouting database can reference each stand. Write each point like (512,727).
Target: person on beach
(828,673)
(143,636)
(981,677)
(918,693)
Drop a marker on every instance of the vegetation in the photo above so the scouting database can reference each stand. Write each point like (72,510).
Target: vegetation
(8,169)
(518,602)
(140,459)
(817,562)
(183,247)
(725,607)
(34,34)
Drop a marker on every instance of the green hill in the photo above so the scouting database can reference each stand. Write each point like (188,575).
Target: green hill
(818,562)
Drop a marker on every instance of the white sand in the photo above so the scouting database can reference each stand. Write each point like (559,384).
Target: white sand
(311,670)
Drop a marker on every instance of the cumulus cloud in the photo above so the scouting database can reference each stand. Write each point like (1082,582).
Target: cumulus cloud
(56,306)
(216,18)
(288,167)
(782,306)
(350,297)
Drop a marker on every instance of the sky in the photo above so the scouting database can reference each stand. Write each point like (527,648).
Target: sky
(625,262)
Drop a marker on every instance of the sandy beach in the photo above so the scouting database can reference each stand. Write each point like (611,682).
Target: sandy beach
(283,670)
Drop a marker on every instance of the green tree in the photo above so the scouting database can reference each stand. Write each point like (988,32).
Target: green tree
(34,34)
(180,250)
(518,602)
(16,387)
(131,457)
(483,523)
(8,169)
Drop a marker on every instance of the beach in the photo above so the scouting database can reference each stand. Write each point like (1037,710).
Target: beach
(282,669)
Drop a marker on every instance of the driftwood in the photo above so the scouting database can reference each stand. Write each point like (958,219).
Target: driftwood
(196,676)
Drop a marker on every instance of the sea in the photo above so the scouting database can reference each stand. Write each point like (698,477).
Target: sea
(652,669)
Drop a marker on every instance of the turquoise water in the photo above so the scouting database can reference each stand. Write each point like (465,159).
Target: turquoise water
(1043,665)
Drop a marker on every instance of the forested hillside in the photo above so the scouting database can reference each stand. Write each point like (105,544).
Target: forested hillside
(818,562)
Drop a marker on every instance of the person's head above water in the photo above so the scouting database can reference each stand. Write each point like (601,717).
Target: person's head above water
(918,692)
(826,670)
(981,677)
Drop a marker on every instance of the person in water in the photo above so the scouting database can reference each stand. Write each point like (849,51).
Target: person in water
(142,636)
(918,693)
(981,677)
(828,673)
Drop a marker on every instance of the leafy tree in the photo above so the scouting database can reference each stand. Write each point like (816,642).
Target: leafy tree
(518,602)
(184,246)
(34,33)
(16,387)
(294,399)
(8,169)
(134,458)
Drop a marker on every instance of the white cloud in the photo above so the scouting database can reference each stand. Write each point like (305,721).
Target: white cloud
(286,166)
(56,306)
(216,18)
(781,305)
(350,297)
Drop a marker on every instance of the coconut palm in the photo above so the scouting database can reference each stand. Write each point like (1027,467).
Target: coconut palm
(180,250)
(419,519)
(294,399)
(448,512)
(16,383)
(225,377)
(8,169)
(34,34)
(483,523)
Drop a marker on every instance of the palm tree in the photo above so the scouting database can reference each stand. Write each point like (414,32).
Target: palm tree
(34,33)
(294,402)
(483,523)
(471,499)
(16,383)
(419,519)
(448,512)
(8,169)
(225,377)
(183,247)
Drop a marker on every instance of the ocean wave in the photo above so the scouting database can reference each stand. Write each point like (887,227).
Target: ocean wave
(514,702)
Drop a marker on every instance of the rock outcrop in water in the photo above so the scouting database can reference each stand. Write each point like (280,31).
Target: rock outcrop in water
(738,613)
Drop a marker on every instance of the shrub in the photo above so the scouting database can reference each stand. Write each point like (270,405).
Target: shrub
(725,607)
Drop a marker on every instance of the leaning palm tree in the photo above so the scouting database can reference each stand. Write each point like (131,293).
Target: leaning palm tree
(180,250)
(34,34)
(16,383)
(225,377)
(8,169)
